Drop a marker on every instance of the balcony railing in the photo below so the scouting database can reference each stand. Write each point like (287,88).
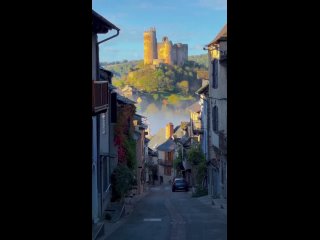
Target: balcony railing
(99,96)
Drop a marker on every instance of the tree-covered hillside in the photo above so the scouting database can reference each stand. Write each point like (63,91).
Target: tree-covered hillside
(123,68)
(200,59)
(163,85)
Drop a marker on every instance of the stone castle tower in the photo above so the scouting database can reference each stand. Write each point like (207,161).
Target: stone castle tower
(179,53)
(163,52)
(150,46)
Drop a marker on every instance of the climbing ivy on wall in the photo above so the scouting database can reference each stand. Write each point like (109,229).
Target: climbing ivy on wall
(123,176)
(130,147)
(123,132)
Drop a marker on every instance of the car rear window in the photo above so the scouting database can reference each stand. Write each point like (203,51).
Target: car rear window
(179,181)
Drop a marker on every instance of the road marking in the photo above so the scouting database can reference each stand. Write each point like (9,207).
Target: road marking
(152,220)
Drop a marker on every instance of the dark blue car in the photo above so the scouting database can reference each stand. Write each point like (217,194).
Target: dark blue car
(180,184)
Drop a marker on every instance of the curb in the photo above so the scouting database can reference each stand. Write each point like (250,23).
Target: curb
(110,227)
(100,231)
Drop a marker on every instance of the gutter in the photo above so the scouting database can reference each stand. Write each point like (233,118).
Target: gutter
(118,31)
(97,49)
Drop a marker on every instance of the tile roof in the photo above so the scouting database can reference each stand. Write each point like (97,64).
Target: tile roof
(221,35)
(105,25)
(157,139)
(167,146)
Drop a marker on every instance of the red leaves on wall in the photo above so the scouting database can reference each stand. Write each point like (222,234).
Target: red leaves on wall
(123,128)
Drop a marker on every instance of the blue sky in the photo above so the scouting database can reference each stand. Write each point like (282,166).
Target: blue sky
(193,22)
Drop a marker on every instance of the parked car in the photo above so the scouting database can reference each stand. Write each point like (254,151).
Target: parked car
(180,184)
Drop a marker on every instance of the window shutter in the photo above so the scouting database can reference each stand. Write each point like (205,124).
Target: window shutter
(215,73)
(113,107)
(215,119)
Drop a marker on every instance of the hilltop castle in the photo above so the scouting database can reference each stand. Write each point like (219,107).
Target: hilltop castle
(163,52)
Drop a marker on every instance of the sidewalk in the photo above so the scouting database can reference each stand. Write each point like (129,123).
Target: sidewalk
(110,227)
(214,203)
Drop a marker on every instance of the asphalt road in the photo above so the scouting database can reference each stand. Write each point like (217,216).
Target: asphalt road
(163,215)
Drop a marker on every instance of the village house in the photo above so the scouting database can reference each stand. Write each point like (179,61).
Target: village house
(152,169)
(101,79)
(141,151)
(203,92)
(166,153)
(108,158)
(183,143)
(195,120)
(217,113)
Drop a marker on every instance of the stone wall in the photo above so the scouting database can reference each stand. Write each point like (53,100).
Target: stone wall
(165,51)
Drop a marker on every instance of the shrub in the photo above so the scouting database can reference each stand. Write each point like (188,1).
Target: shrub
(200,192)
(122,180)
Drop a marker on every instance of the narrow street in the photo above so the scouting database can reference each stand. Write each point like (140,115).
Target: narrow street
(163,214)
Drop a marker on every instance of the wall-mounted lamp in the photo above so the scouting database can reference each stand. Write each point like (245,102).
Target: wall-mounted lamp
(214,47)
(209,48)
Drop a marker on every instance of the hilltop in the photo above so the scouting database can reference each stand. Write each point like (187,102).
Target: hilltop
(162,92)
(122,68)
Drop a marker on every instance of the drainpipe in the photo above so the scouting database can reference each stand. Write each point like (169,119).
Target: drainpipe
(97,49)
(99,166)
(118,30)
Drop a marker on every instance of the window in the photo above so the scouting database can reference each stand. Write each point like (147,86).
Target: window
(106,168)
(167,171)
(103,123)
(222,175)
(215,119)
(215,73)
(113,107)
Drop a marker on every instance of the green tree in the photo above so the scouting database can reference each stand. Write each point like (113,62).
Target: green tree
(122,180)
(130,146)
(118,83)
(173,99)
(196,157)
(155,96)
(169,84)
(177,163)
(184,86)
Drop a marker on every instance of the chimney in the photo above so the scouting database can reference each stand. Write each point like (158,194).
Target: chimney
(169,130)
